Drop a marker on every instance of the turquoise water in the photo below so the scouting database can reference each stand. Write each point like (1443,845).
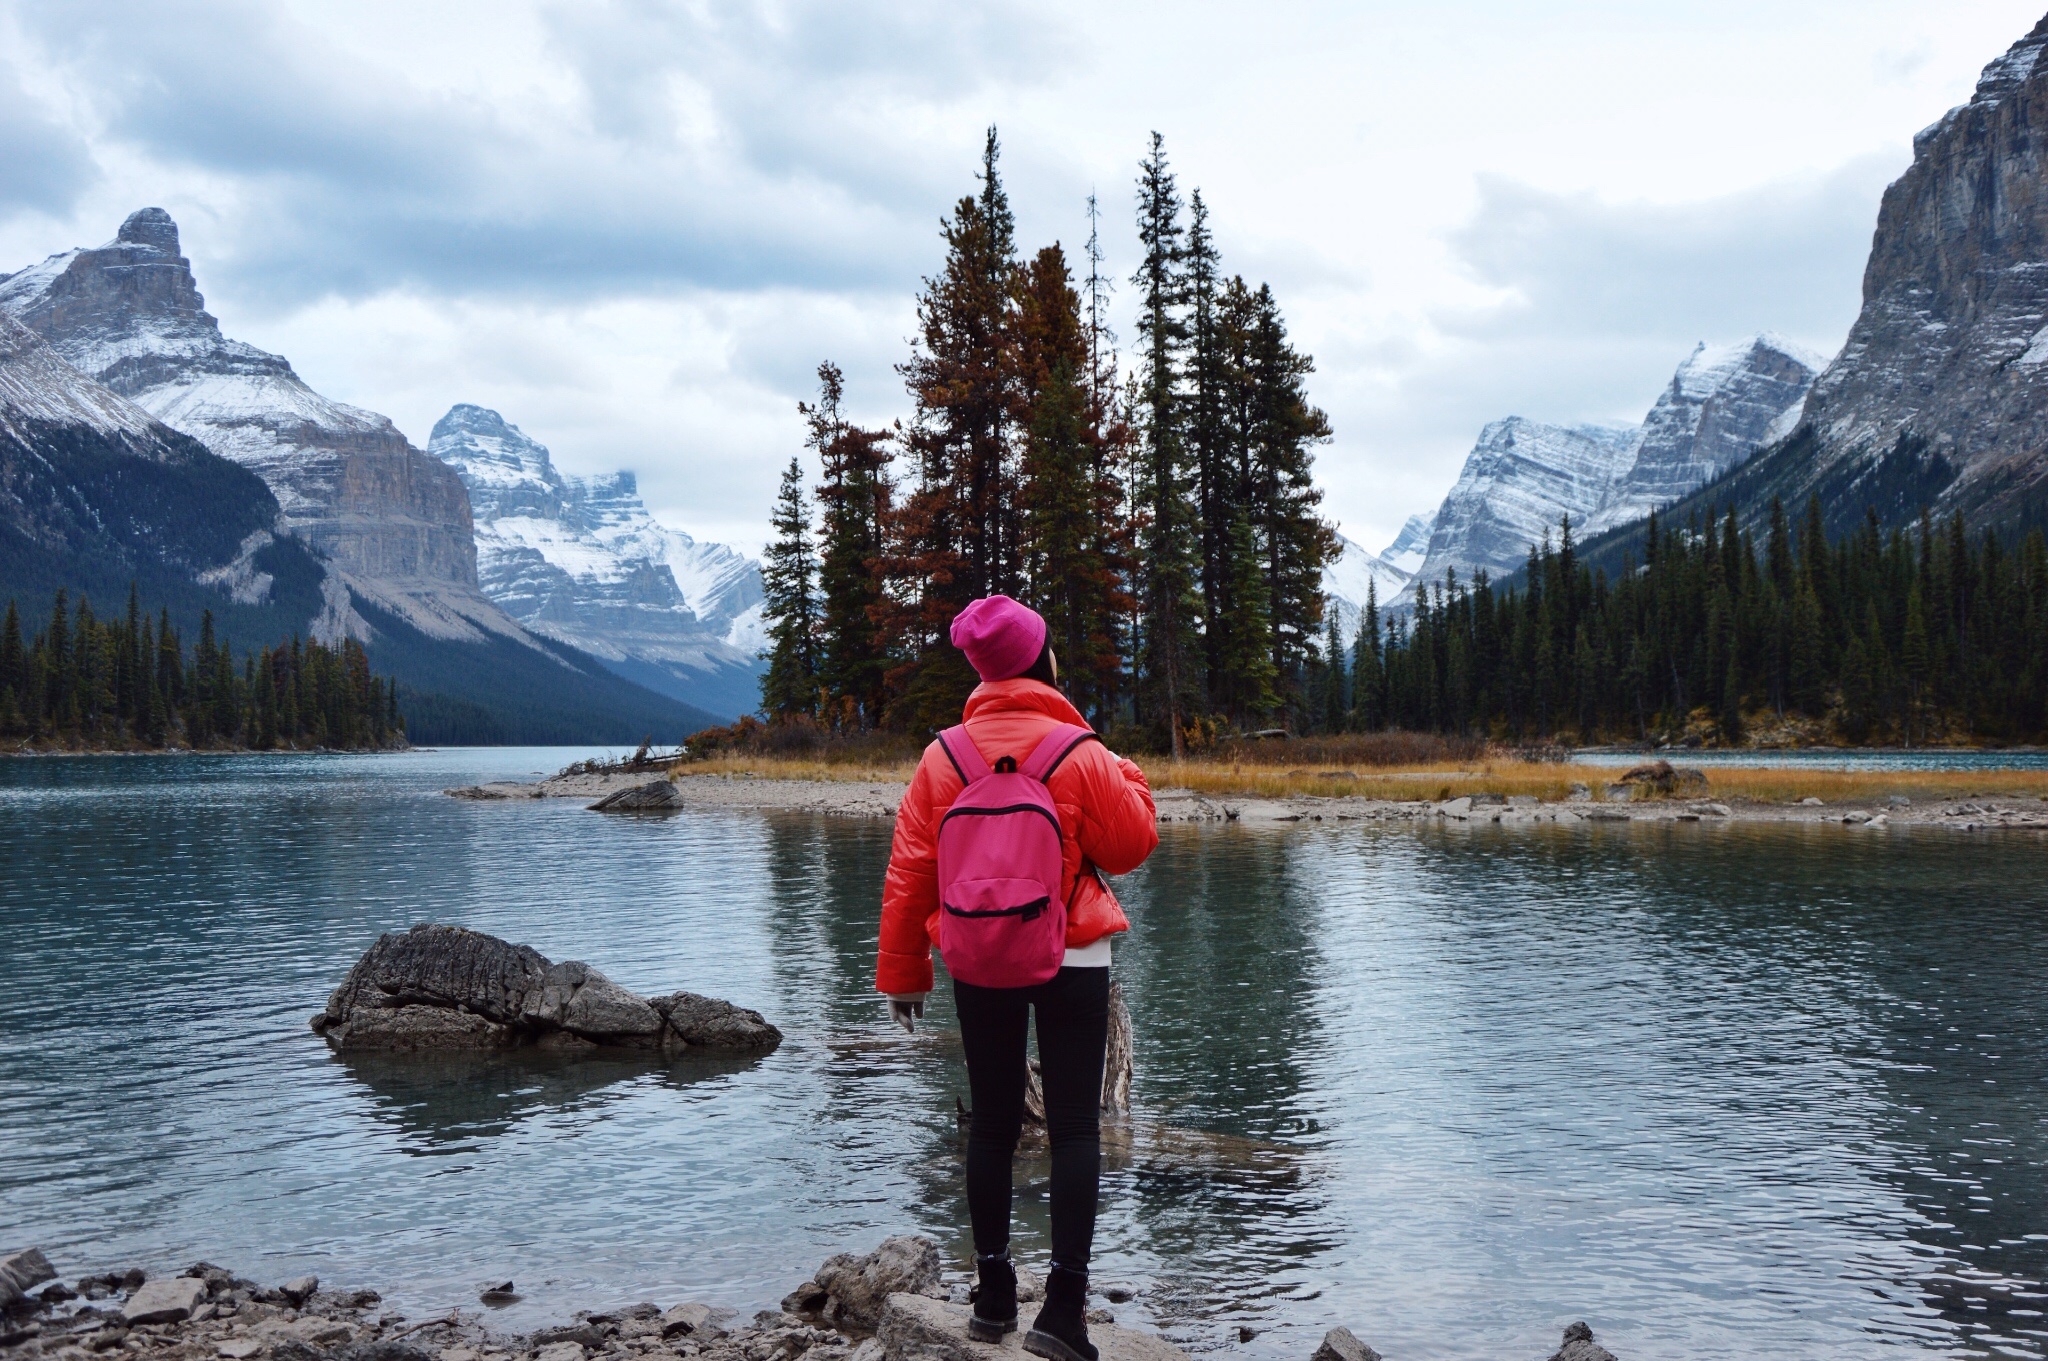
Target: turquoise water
(1720,1090)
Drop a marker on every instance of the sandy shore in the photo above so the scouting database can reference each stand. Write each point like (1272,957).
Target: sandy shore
(878,799)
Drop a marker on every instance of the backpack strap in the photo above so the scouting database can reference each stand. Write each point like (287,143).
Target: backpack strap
(1056,747)
(965,756)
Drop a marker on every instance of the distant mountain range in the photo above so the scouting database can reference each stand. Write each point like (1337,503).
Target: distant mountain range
(137,436)
(581,560)
(1523,477)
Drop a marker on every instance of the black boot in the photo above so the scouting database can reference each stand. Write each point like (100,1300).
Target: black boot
(1060,1332)
(994,1297)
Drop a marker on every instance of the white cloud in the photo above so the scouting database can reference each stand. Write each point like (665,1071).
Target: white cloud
(636,227)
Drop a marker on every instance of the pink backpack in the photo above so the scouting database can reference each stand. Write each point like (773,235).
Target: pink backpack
(1002,899)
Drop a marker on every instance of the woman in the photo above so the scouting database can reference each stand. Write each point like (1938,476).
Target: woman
(1106,822)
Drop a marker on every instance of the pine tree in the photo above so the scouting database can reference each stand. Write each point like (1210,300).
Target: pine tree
(854,497)
(1171,686)
(789,688)
(1246,666)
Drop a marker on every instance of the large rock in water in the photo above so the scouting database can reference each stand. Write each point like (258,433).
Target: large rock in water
(445,987)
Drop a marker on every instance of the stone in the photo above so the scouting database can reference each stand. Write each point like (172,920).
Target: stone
(447,988)
(560,1351)
(577,998)
(21,1272)
(707,1023)
(1619,793)
(1855,817)
(379,1351)
(807,1298)
(1810,802)
(1578,793)
(1339,1344)
(686,1319)
(656,796)
(497,1292)
(239,1348)
(1460,808)
(858,1287)
(1030,1285)
(458,1354)
(298,1290)
(1604,813)
(1712,810)
(312,1330)
(918,1328)
(1900,801)
(165,1300)
(1489,800)
(1580,1346)
(1523,801)
(1116,1292)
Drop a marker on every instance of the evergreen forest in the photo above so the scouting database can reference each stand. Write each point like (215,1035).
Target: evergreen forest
(1162,515)
(1928,635)
(132,682)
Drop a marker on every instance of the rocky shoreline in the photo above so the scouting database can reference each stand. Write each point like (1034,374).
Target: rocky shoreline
(895,1303)
(879,798)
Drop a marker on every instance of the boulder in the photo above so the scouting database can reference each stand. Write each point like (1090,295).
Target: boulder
(918,1328)
(21,1272)
(1661,779)
(1580,1346)
(165,1300)
(1340,1344)
(448,988)
(707,1023)
(656,796)
(857,1287)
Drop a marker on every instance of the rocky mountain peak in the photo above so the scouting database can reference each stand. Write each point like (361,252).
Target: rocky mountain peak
(1940,395)
(150,227)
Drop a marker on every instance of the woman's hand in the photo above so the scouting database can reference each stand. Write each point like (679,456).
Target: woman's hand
(904,1006)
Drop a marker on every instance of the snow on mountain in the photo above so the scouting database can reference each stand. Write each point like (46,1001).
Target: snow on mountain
(1522,478)
(392,523)
(1518,480)
(1722,405)
(583,561)
(1411,545)
(1355,574)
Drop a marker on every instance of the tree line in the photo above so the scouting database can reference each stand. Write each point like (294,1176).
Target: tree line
(1163,518)
(1922,635)
(130,682)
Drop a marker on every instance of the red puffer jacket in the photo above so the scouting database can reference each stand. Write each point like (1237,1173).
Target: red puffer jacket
(1106,821)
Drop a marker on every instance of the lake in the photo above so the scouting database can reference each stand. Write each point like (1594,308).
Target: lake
(1720,1090)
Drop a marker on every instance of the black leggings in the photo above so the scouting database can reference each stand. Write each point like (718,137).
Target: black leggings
(1073,1029)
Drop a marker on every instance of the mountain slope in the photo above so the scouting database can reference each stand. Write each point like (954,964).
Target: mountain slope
(1724,403)
(581,560)
(95,493)
(392,522)
(1518,479)
(1346,582)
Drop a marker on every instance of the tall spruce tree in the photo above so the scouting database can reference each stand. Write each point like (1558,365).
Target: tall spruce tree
(957,535)
(1171,686)
(789,604)
(854,502)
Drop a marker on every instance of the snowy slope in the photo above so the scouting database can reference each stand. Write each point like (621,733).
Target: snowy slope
(1355,574)
(581,560)
(392,523)
(1517,482)
(1724,403)
(1411,545)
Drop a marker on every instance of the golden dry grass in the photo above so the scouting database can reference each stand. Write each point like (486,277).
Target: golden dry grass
(798,768)
(1546,780)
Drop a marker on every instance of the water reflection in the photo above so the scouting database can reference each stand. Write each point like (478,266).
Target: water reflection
(449,1103)
(1717,1089)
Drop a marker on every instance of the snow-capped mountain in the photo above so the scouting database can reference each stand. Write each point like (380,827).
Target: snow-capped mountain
(1518,480)
(1723,404)
(393,523)
(1355,574)
(1411,545)
(96,492)
(581,560)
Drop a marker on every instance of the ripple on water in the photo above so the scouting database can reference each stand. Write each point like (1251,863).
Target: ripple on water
(1718,1090)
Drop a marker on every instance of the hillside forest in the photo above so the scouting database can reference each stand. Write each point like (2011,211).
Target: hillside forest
(131,683)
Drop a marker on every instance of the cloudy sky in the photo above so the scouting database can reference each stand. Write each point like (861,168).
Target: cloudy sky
(636,228)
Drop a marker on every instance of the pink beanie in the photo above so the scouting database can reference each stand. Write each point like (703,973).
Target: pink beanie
(1000,637)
